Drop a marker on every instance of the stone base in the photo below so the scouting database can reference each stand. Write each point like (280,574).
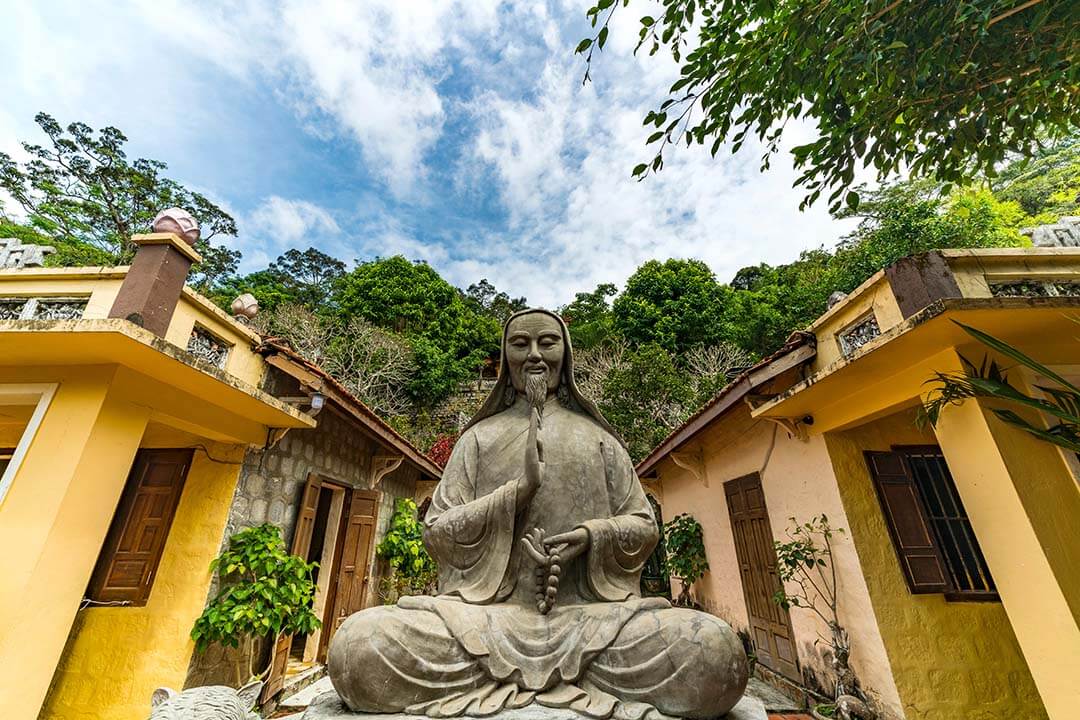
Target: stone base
(328,706)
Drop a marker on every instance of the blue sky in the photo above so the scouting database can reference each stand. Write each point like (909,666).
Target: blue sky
(452,132)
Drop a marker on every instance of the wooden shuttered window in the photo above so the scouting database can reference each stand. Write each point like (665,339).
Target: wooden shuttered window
(934,540)
(909,527)
(129,558)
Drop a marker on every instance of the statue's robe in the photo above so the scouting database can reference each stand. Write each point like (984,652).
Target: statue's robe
(481,645)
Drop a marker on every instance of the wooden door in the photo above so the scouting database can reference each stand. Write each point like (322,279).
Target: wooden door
(305,522)
(770,624)
(136,541)
(354,577)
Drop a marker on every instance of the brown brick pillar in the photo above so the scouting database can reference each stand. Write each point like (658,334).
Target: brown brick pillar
(154,282)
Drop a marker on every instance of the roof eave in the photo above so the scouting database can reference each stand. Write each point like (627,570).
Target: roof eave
(801,352)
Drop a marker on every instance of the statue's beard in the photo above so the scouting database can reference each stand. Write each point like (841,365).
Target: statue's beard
(536,389)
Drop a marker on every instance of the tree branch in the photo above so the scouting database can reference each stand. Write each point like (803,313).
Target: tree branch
(1009,13)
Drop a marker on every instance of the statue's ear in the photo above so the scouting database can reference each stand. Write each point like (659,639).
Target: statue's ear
(249,694)
(161,695)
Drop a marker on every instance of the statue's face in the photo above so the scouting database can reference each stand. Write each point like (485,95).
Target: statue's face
(534,344)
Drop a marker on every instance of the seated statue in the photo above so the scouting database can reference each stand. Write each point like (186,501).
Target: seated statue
(540,529)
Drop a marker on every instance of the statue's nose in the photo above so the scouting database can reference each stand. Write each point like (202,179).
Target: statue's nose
(534,353)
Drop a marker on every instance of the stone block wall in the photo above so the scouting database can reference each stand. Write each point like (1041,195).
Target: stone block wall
(270,488)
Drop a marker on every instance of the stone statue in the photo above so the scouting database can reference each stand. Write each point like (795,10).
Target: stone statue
(540,529)
(213,702)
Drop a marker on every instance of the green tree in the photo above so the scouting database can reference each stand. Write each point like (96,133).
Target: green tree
(267,286)
(68,253)
(942,89)
(308,275)
(898,220)
(589,318)
(449,339)
(645,397)
(676,304)
(485,299)
(1046,186)
(264,592)
(684,541)
(82,193)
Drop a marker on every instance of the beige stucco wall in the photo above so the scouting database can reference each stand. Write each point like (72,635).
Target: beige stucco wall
(798,482)
(949,659)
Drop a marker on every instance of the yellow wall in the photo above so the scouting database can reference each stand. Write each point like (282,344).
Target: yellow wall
(117,656)
(1024,504)
(194,308)
(949,659)
(798,482)
(54,519)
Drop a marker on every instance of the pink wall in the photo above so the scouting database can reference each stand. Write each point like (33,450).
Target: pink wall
(798,481)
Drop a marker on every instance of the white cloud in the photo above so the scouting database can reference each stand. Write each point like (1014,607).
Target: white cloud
(563,159)
(278,224)
(495,84)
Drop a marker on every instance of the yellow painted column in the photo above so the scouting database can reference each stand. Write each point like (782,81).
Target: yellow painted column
(53,523)
(1015,488)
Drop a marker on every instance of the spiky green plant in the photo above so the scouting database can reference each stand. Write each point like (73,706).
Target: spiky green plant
(989,380)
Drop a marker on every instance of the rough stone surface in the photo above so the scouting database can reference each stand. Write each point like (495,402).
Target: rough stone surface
(328,706)
(205,703)
(540,529)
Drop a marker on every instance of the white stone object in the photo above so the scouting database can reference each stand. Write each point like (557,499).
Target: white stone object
(178,221)
(212,702)
(13,254)
(1064,233)
(245,307)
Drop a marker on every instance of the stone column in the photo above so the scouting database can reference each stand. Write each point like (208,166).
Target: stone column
(152,287)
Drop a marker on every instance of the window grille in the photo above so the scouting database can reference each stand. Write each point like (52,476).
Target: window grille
(42,308)
(967,567)
(859,334)
(206,346)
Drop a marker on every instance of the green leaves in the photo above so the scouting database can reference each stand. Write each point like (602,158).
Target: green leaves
(84,194)
(938,89)
(801,565)
(685,545)
(988,380)
(264,591)
(413,570)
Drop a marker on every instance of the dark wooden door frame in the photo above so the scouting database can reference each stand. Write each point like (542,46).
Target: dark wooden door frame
(770,625)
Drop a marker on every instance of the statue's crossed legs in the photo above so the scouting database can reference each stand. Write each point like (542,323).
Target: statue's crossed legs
(662,662)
